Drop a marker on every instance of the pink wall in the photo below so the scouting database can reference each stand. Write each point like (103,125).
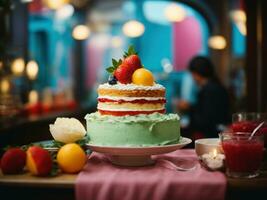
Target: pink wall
(94,62)
(187,42)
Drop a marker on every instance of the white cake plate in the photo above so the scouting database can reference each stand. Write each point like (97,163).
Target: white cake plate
(136,156)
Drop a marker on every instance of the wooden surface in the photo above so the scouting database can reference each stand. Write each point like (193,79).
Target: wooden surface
(26,186)
(25,179)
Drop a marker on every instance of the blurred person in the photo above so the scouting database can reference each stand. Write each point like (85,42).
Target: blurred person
(211,110)
(186,92)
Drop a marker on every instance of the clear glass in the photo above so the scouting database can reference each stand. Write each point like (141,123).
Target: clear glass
(248,121)
(243,155)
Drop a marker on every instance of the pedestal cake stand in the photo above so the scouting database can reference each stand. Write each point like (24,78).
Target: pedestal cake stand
(136,156)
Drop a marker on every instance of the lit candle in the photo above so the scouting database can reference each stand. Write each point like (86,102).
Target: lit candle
(214,153)
(213,160)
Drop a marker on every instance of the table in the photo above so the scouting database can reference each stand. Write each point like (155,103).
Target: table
(28,187)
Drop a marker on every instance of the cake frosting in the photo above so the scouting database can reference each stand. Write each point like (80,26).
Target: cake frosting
(131,108)
(131,86)
(140,130)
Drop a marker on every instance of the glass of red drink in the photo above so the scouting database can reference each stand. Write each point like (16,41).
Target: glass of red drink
(243,154)
(247,122)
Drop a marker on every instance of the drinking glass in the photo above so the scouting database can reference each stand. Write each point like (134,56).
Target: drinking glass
(243,154)
(248,121)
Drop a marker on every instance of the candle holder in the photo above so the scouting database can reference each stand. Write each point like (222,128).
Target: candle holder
(210,153)
(213,161)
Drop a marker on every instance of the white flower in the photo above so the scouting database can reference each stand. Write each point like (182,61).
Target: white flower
(67,130)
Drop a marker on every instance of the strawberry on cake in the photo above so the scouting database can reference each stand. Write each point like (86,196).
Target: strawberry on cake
(131,108)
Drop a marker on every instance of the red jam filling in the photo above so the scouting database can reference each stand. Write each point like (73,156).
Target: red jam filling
(123,113)
(140,101)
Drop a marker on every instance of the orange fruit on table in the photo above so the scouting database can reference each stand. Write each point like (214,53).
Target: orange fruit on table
(71,158)
(143,76)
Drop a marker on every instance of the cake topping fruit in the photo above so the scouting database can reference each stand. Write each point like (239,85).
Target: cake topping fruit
(71,158)
(143,77)
(115,65)
(131,59)
(124,74)
(122,70)
(112,80)
(39,161)
(13,161)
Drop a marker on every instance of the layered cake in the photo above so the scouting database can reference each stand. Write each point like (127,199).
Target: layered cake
(130,99)
(131,108)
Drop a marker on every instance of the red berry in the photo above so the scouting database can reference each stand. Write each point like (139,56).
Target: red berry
(13,161)
(133,61)
(124,73)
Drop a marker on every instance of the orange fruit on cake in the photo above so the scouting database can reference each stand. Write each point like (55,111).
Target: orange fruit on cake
(143,76)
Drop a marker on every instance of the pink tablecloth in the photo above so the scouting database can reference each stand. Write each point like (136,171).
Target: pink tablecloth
(100,180)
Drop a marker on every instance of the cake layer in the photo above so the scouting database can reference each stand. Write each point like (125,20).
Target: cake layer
(130,99)
(135,101)
(113,106)
(131,90)
(123,113)
(140,130)
(131,93)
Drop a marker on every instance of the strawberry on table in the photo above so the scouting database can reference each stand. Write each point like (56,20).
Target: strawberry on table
(13,161)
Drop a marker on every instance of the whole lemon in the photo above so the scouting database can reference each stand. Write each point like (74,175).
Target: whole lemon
(143,77)
(71,158)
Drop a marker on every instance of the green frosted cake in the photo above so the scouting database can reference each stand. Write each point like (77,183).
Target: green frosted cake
(131,108)
(140,130)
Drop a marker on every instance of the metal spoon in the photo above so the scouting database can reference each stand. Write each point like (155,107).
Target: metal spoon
(255,130)
(174,166)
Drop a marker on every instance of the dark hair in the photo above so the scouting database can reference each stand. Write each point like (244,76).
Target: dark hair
(202,66)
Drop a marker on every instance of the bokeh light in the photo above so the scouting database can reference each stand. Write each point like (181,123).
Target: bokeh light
(65,12)
(81,32)
(17,66)
(133,28)
(175,13)
(217,42)
(32,70)
(4,86)
(55,4)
